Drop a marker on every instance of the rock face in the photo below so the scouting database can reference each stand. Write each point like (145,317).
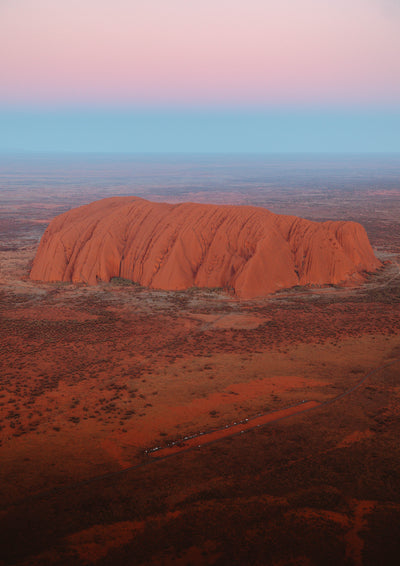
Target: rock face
(177,246)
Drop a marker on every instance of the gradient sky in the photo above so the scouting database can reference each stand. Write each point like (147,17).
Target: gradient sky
(317,62)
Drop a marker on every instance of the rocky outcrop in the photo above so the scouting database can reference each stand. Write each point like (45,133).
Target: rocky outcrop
(176,246)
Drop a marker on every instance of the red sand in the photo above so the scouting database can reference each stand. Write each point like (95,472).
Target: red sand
(94,375)
(244,248)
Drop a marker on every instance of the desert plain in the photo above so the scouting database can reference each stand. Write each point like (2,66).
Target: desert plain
(142,426)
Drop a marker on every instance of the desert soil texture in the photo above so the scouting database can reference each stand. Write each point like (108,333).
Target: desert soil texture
(151,427)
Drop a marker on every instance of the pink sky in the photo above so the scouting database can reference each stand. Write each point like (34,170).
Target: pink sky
(213,52)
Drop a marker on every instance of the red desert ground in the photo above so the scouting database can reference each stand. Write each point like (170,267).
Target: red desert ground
(193,384)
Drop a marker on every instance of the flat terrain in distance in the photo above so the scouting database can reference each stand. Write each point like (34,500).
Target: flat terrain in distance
(108,395)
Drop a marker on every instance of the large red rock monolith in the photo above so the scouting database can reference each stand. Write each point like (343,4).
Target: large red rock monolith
(177,246)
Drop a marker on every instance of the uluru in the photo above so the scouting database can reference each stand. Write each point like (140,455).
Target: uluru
(246,249)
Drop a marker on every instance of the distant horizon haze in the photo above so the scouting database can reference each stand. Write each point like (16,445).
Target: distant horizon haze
(200,130)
